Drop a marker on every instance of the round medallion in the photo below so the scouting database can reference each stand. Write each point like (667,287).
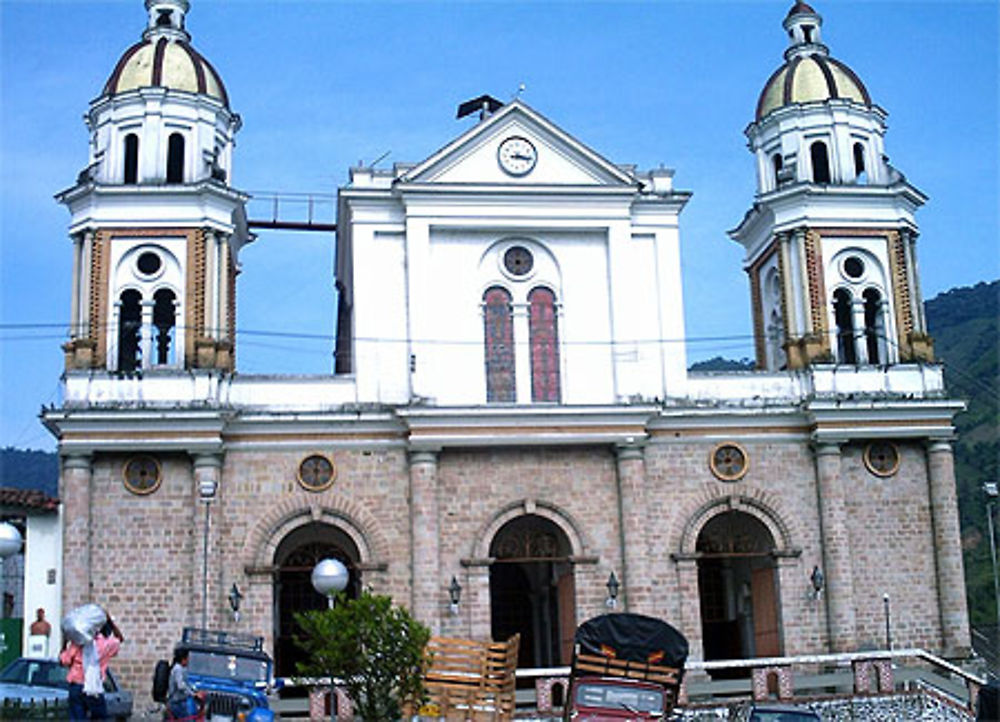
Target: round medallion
(518,261)
(316,473)
(882,458)
(517,156)
(729,462)
(142,475)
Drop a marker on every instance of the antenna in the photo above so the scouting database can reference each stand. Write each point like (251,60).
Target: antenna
(380,159)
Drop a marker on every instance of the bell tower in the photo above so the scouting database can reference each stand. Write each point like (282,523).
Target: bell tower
(155,223)
(831,238)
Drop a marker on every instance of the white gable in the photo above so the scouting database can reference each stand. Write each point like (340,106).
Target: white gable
(473,158)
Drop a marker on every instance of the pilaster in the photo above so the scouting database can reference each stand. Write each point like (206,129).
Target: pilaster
(633,518)
(76,491)
(836,543)
(689,598)
(947,549)
(427,589)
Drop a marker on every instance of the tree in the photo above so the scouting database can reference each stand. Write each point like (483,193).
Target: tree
(374,648)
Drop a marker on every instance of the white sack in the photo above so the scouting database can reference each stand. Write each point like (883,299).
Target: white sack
(83,623)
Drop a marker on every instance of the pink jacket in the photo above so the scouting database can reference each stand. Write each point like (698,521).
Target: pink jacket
(72,657)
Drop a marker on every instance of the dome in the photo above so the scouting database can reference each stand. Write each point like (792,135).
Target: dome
(809,73)
(164,58)
(809,79)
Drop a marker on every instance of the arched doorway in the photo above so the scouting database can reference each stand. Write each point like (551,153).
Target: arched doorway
(532,590)
(738,588)
(294,559)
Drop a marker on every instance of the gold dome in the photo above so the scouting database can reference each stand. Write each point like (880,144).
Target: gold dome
(809,79)
(166,62)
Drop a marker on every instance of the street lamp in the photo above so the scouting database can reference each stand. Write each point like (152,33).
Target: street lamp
(992,490)
(329,578)
(11,542)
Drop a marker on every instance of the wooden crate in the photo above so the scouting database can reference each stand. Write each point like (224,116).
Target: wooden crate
(471,680)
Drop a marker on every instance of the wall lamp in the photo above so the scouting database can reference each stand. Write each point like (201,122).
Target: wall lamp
(454,594)
(235,597)
(818,581)
(613,587)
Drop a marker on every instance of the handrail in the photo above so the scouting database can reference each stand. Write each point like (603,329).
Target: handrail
(843,658)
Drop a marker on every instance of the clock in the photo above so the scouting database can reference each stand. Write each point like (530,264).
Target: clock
(517,156)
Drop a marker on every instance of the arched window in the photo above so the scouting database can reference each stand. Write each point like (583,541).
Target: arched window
(844,319)
(776,162)
(129,325)
(859,164)
(542,328)
(820,162)
(874,326)
(498,326)
(175,158)
(164,321)
(131,175)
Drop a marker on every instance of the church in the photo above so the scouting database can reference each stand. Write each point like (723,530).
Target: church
(510,439)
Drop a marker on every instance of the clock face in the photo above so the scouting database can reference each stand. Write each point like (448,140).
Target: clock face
(517,155)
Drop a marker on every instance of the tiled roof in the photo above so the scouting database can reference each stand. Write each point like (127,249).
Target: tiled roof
(27,499)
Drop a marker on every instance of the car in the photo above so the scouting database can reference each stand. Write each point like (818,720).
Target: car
(28,679)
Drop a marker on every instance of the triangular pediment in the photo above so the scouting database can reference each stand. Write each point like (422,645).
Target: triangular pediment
(552,156)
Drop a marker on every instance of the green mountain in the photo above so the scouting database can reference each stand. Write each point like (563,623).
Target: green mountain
(24,469)
(964,323)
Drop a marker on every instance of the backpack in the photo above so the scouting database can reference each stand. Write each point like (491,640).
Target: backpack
(161,680)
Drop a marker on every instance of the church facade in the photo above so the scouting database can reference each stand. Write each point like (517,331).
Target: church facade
(525,433)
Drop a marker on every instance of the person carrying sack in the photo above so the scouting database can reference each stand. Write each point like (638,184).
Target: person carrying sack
(87,660)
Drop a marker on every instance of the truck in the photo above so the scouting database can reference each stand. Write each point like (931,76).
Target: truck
(625,667)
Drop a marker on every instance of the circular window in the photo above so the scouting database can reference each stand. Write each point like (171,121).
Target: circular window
(882,458)
(854,267)
(316,473)
(518,261)
(148,263)
(729,462)
(142,475)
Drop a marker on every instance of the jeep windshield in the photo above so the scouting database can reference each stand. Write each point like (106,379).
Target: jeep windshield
(234,667)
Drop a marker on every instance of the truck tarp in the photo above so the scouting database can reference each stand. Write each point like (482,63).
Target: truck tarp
(632,637)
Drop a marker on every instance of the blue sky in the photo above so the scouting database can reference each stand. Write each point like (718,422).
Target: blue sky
(322,85)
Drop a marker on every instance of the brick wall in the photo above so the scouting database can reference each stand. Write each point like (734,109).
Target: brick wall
(146,551)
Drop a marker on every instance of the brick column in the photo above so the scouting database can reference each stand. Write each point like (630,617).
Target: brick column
(689,597)
(947,549)
(207,473)
(476,595)
(836,549)
(632,519)
(76,494)
(427,586)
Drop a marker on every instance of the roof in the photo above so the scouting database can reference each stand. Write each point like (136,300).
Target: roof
(165,62)
(811,78)
(27,499)
(800,7)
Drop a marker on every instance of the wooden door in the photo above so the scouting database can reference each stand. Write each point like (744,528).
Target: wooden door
(767,642)
(566,594)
